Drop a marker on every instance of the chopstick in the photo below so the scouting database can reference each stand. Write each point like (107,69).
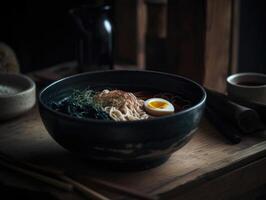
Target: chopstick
(45,170)
(122,190)
(51,181)
(88,192)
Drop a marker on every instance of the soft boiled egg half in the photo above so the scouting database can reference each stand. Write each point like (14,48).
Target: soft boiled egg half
(158,107)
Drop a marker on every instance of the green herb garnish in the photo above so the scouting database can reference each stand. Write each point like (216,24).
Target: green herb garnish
(81,104)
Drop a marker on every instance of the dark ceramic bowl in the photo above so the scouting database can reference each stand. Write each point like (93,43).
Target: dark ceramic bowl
(143,143)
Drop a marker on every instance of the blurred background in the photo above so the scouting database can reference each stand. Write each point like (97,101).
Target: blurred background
(202,39)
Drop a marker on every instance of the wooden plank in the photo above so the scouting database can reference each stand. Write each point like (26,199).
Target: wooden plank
(141,30)
(155,48)
(25,138)
(217,169)
(199,36)
(217,46)
(130,25)
(228,186)
(252,41)
(186,36)
(235,27)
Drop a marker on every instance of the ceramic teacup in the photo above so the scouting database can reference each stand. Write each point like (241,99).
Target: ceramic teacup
(17,95)
(250,87)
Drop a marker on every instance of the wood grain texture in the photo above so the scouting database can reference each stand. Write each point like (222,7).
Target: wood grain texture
(130,31)
(235,36)
(228,186)
(155,48)
(215,170)
(204,158)
(217,45)
(141,30)
(186,38)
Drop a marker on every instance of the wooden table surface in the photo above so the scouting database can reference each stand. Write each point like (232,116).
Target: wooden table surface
(206,168)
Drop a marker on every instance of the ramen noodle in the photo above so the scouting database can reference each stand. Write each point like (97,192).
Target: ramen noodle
(121,105)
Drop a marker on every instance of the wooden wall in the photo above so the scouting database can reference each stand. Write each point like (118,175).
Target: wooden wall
(156,35)
(129,17)
(217,45)
(187,37)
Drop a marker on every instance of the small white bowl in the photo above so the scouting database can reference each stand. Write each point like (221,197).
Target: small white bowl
(17,95)
(248,86)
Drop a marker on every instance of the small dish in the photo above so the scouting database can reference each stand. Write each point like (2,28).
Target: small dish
(17,95)
(250,87)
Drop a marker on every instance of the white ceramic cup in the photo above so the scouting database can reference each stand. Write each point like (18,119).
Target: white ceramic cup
(250,87)
(23,95)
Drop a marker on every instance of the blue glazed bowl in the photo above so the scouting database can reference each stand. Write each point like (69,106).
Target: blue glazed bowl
(131,144)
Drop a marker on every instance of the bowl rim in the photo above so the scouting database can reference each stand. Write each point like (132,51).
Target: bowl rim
(25,78)
(202,100)
(231,79)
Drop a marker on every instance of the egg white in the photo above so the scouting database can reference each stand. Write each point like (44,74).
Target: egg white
(169,109)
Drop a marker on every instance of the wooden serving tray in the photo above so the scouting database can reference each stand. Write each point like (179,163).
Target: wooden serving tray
(204,168)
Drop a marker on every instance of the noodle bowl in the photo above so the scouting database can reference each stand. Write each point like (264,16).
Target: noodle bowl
(74,115)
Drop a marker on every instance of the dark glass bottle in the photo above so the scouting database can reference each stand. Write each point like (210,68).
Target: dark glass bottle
(94,37)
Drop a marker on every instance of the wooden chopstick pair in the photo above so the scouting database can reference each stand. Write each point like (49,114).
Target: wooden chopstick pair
(66,183)
(39,173)
(43,178)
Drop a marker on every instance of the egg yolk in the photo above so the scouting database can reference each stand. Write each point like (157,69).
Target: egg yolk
(158,104)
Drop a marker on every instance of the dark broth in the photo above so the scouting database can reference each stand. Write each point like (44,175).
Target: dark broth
(251,83)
